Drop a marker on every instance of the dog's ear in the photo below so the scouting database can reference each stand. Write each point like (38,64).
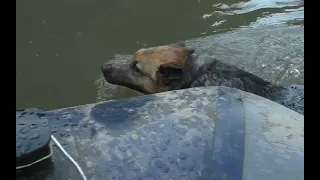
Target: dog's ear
(170,72)
(190,51)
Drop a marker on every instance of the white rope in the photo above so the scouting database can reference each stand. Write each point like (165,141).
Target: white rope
(69,157)
(48,156)
(37,161)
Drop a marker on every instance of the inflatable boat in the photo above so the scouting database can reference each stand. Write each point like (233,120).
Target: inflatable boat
(208,133)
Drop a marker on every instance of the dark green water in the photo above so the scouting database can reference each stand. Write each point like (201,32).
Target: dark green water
(61,44)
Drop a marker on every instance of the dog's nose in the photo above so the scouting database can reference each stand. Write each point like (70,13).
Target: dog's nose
(106,68)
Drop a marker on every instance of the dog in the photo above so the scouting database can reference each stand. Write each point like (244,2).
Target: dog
(173,67)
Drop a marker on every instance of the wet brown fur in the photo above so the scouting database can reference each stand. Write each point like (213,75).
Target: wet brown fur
(155,58)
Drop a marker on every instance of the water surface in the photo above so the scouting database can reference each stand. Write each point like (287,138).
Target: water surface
(61,44)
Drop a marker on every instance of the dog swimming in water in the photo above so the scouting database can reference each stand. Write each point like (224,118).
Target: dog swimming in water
(173,67)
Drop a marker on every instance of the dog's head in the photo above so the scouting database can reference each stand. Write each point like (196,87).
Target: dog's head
(151,70)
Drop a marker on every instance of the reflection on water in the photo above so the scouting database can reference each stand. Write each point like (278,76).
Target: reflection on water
(61,44)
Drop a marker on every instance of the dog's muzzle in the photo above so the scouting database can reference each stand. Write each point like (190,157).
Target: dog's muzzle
(106,68)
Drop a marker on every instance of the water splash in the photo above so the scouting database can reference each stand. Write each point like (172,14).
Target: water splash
(103,89)
(267,12)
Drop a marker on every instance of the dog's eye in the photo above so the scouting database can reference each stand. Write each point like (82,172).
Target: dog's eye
(136,67)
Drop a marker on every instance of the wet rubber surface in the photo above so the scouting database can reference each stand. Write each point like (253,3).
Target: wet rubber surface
(202,133)
(32,135)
